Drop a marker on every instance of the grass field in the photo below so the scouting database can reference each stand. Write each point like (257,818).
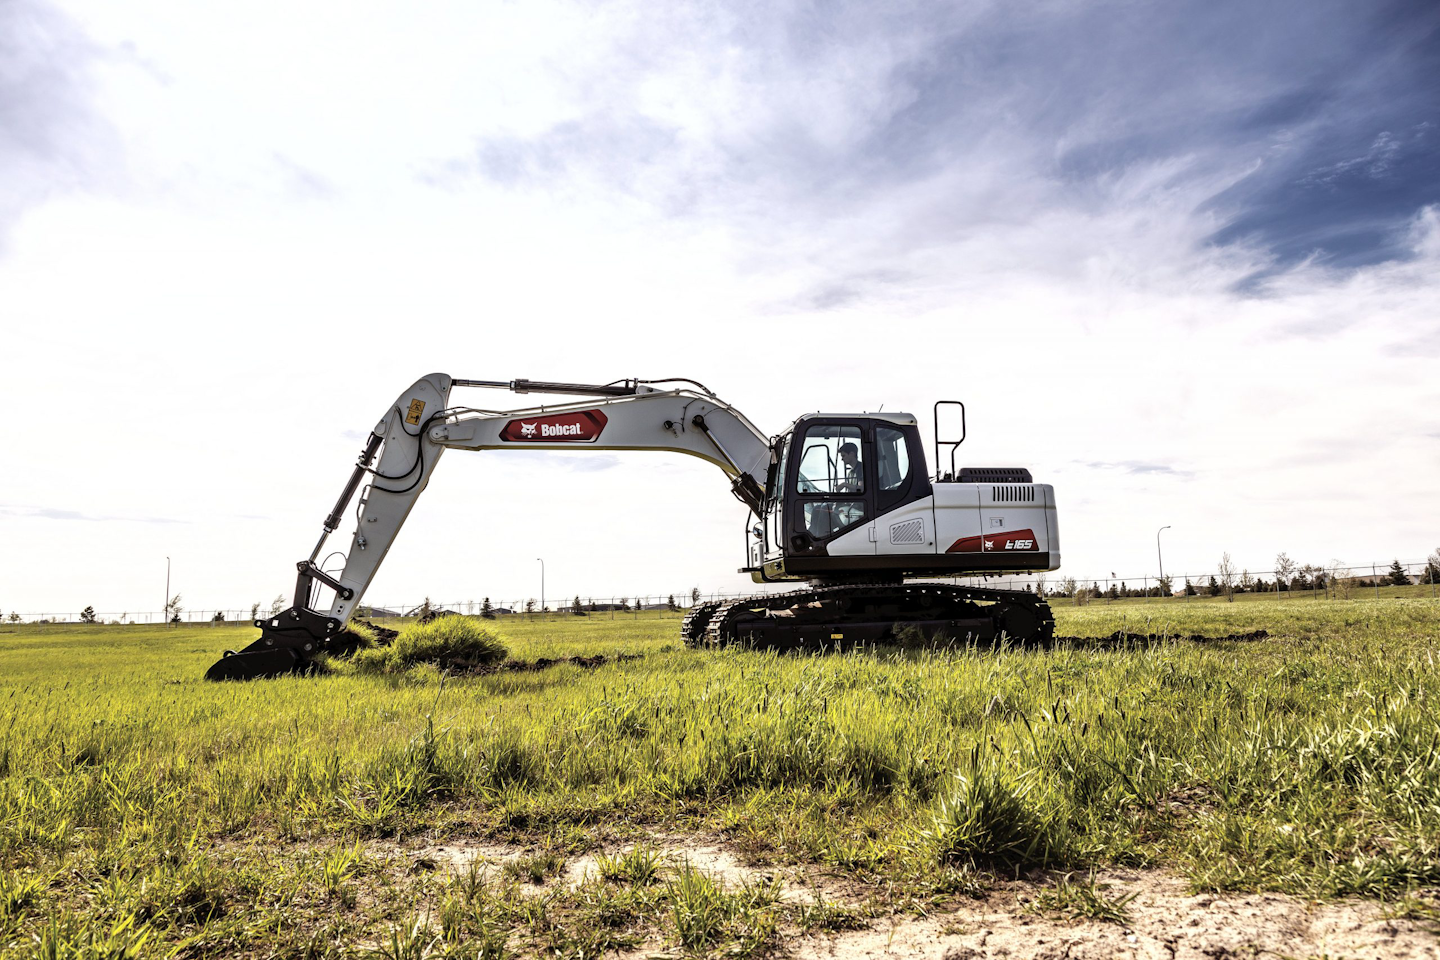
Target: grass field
(142,810)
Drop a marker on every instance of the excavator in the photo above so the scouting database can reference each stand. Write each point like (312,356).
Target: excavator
(842,503)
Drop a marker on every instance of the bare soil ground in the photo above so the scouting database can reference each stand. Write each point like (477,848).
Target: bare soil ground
(1164,920)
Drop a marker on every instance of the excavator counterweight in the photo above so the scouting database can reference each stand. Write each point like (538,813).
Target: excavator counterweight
(840,501)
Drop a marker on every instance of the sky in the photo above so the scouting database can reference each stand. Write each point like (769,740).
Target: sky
(1180,259)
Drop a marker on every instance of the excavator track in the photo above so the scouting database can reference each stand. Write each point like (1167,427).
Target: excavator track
(692,628)
(842,615)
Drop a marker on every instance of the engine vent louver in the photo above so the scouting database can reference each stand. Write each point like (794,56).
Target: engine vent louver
(995,475)
(911,531)
(1012,494)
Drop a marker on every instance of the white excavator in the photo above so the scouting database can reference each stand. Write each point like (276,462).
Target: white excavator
(842,502)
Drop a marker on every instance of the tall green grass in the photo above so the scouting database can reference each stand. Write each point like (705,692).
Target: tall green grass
(152,806)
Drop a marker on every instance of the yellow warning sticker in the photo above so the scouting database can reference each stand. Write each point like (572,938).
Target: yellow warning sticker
(837,636)
(417,407)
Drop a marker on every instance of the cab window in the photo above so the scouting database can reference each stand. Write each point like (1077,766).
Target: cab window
(780,469)
(892,458)
(825,518)
(830,461)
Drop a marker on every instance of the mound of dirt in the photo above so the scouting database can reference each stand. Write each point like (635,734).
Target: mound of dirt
(383,635)
(454,643)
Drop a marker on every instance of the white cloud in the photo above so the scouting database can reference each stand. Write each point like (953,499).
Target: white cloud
(804,211)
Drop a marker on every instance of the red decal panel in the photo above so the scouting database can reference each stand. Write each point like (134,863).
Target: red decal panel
(581,427)
(1011,541)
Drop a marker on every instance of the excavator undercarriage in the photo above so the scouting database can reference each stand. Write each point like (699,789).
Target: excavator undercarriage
(836,616)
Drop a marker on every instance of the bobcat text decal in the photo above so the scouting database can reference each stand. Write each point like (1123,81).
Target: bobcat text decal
(581,427)
(1013,540)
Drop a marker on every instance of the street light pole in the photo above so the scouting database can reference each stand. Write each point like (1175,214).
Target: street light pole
(166,607)
(1160,555)
(542,585)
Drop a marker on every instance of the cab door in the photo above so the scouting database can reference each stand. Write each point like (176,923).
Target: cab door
(904,524)
(830,489)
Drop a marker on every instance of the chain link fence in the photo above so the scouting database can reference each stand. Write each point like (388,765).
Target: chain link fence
(1379,580)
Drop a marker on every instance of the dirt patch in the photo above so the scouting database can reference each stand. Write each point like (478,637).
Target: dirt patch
(1123,638)
(675,852)
(466,668)
(1163,922)
(598,660)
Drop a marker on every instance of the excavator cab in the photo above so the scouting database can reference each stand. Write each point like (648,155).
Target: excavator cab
(831,476)
(848,497)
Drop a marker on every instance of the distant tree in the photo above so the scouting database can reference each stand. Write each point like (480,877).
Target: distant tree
(1227,576)
(277,604)
(1305,577)
(670,603)
(575,607)
(1339,584)
(87,615)
(1432,567)
(1114,592)
(1068,586)
(1284,570)
(1040,584)
(219,617)
(14,617)
(173,609)
(1247,582)
(1397,575)
(1214,589)
(694,596)
(623,603)
(529,606)
(255,610)
(1189,588)
(1167,586)
(486,610)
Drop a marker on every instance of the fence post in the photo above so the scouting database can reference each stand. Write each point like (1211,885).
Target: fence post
(1376,576)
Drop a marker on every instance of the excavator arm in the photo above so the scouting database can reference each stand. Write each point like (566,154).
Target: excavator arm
(402,451)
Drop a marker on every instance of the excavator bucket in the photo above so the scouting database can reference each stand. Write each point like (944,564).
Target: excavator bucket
(289,643)
(257,661)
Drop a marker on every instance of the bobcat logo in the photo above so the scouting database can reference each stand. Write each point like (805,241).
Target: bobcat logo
(527,429)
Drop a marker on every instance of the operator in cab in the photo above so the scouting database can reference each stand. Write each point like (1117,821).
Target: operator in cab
(851,478)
